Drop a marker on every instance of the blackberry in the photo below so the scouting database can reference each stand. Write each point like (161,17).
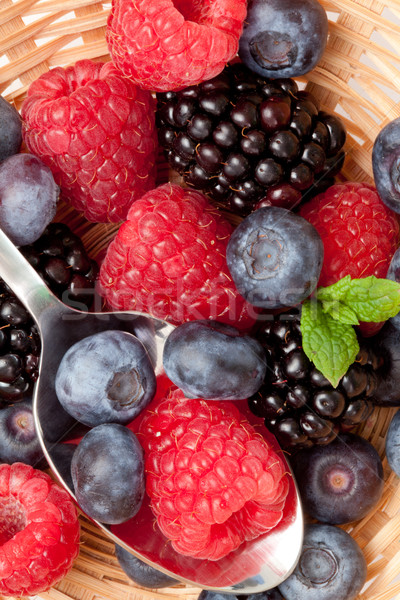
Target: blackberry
(19,348)
(248,142)
(299,405)
(61,259)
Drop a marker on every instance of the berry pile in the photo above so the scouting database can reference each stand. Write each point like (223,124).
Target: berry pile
(298,403)
(61,260)
(243,139)
(248,142)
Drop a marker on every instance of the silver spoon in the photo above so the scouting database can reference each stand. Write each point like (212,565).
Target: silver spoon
(256,566)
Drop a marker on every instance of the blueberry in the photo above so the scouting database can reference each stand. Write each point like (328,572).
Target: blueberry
(207,595)
(387,346)
(106,377)
(10,129)
(392,444)
(140,572)
(275,258)
(61,455)
(394,274)
(107,471)
(18,439)
(331,567)
(272,594)
(283,38)
(386,164)
(340,482)
(211,360)
(28,198)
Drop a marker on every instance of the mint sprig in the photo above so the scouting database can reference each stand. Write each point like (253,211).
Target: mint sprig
(331,345)
(371,299)
(327,319)
(340,312)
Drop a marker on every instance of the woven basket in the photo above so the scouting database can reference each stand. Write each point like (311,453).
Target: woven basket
(358,79)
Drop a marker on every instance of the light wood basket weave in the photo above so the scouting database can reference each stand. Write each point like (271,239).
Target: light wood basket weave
(358,79)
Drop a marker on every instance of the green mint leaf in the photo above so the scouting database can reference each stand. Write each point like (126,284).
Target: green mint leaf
(336,291)
(368,299)
(373,299)
(332,346)
(340,312)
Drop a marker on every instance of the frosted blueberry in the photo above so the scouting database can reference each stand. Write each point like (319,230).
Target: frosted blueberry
(105,377)
(107,471)
(28,198)
(10,129)
(283,38)
(275,258)
(212,360)
(386,164)
(331,567)
(140,572)
(392,444)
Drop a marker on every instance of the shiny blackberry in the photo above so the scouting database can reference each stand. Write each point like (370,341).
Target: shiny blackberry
(239,127)
(60,258)
(298,404)
(19,348)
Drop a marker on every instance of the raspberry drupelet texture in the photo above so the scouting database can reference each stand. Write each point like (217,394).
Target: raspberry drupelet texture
(169,260)
(95,129)
(213,481)
(169,44)
(360,234)
(39,531)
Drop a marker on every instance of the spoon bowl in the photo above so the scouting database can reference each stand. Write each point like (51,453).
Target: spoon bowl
(255,566)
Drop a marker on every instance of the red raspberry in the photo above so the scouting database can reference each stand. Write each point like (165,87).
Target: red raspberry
(169,260)
(213,481)
(96,131)
(360,234)
(166,45)
(39,531)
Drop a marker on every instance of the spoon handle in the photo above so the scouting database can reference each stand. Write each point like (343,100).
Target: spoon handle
(22,278)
